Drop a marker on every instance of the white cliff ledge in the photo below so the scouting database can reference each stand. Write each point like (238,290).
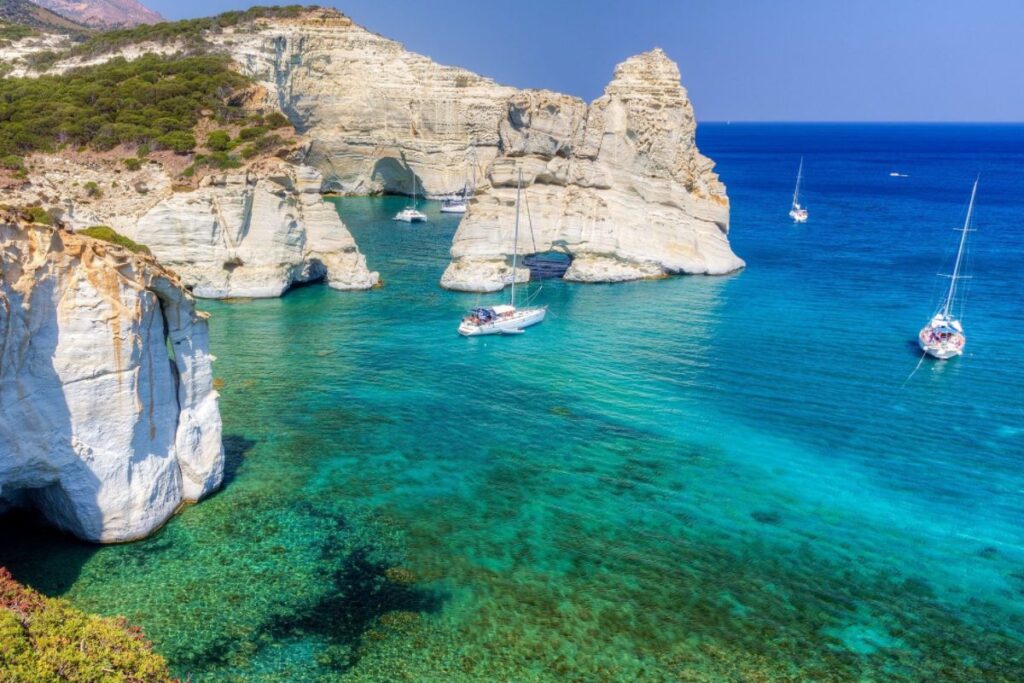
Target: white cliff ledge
(249,235)
(619,185)
(253,232)
(109,420)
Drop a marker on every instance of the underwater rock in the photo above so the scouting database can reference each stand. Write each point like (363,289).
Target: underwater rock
(109,420)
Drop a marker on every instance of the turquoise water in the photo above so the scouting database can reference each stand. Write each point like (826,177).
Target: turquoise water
(693,479)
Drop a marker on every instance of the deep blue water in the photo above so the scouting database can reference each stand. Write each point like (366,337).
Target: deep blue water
(699,479)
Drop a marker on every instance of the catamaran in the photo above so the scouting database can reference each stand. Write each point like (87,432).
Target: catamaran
(798,213)
(505,319)
(411,214)
(943,337)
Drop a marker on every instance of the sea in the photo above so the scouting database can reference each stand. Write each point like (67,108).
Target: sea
(754,477)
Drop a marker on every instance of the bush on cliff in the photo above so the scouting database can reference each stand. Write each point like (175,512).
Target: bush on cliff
(152,101)
(107,234)
(45,639)
(188,33)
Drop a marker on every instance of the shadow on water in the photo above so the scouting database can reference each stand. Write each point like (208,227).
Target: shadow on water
(39,555)
(236,447)
(365,592)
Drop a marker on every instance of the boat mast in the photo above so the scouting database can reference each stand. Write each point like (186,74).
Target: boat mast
(515,241)
(951,294)
(796,190)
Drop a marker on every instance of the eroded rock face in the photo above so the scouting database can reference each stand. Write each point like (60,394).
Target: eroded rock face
(252,232)
(251,235)
(108,418)
(619,185)
(377,114)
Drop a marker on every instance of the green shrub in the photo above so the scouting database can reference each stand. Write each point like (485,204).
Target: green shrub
(218,141)
(38,214)
(143,151)
(133,164)
(107,234)
(276,120)
(251,133)
(178,140)
(189,171)
(92,189)
(249,151)
(46,639)
(12,162)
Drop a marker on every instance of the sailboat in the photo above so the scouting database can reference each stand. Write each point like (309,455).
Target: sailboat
(411,214)
(943,336)
(798,213)
(459,203)
(505,319)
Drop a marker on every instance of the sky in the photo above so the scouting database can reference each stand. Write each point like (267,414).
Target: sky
(756,60)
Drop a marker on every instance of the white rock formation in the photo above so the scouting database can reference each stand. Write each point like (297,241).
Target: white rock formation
(619,185)
(247,235)
(108,418)
(376,114)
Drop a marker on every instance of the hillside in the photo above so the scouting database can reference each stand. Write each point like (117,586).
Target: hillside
(103,13)
(24,13)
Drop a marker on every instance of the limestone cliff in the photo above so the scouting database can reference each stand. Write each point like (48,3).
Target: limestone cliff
(108,418)
(249,235)
(376,114)
(252,232)
(619,185)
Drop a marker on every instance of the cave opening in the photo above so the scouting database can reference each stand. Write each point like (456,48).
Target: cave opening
(548,265)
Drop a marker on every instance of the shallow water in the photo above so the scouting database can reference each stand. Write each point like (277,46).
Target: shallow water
(697,479)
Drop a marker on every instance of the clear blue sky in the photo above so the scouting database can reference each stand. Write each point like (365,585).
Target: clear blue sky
(762,60)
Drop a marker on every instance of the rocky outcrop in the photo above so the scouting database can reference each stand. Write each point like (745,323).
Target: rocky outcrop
(247,235)
(251,232)
(377,115)
(109,421)
(619,185)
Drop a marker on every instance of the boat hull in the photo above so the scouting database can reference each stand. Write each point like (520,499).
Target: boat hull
(798,216)
(943,349)
(455,208)
(513,323)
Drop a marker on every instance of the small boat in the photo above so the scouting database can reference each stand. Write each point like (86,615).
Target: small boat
(411,214)
(454,204)
(897,174)
(798,213)
(943,337)
(504,319)
(459,203)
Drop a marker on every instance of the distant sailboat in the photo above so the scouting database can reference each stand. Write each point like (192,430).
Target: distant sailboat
(504,319)
(943,337)
(798,213)
(411,214)
(459,203)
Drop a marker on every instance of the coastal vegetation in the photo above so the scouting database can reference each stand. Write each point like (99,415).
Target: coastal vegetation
(152,101)
(45,639)
(190,33)
(108,234)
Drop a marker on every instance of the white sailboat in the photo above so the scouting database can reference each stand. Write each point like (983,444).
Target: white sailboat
(505,319)
(459,203)
(798,213)
(411,214)
(943,337)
